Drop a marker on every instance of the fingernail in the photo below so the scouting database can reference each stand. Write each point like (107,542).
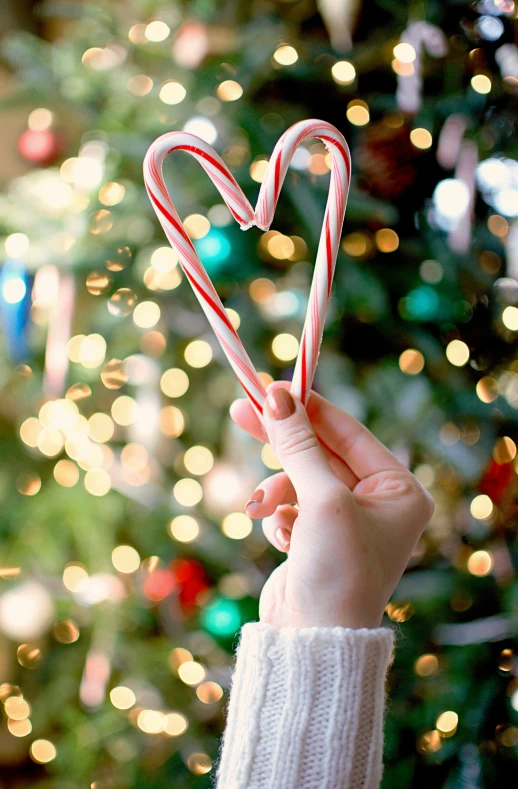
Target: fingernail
(280,404)
(256,498)
(283,538)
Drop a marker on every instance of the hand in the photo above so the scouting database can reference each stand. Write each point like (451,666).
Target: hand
(360,514)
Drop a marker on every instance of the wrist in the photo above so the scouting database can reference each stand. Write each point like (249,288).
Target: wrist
(327,619)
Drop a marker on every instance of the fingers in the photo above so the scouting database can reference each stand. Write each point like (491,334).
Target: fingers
(347,438)
(297,448)
(271,493)
(245,417)
(277,528)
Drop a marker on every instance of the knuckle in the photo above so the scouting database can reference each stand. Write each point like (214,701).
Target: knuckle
(423,502)
(295,440)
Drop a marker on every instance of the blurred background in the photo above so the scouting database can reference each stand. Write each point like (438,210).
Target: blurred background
(127,564)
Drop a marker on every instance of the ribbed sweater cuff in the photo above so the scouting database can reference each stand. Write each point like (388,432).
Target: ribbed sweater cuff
(306,709)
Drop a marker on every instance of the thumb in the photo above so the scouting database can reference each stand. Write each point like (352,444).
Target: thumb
(297,448)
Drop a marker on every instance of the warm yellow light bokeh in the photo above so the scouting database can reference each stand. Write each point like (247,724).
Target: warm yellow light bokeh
(405,52)
(172,93)
(237,526)
(124,410)
(174,382)
(74,576)
(411,361)
(157,31)
(188,492)
(125,559)
(447,722)
(285,55)
(343,72)
(198,460)
(42,751)
(172,421)
(229,90)
(358,113)
(122,698)
(510,318)
(480,563)
(209,692)
(258,170)
(480,83)
(175,724)
(481,507)
(487,389)
(66,473)
(387,240)
(199,763)
(421,138)
(285,347)
(457,353)
(198,353)
(196,225)
(97,482)
(191,672)
(184,528)
(426,665)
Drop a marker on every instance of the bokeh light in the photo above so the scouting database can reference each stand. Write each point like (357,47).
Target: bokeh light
(411,361)
(184,528)
(480,563)
(42,751)
(481,507)
(285,347)
(457,353)
(188,492)
(174,382)
(237,526)
(343,72)
(229,90)
(198,353)
(285,55)
(122,698)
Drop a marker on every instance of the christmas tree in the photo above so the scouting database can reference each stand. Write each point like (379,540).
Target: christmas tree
(127,564)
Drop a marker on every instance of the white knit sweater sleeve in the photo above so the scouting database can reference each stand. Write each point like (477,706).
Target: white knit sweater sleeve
(306,709)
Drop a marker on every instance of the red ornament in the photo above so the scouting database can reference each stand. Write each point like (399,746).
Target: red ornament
(158,585)
(39,147)
(386,159)
(192,581)
(496,480)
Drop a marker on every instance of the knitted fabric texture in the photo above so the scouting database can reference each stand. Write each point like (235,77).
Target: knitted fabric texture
(306,709)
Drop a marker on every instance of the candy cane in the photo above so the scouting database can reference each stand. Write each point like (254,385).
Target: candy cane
(262,218)
(422,36)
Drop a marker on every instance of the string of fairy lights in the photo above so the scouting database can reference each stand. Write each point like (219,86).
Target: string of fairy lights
(91,446)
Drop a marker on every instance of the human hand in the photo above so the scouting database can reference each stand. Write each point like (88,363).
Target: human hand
(360,514)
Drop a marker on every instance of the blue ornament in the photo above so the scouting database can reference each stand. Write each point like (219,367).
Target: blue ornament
(15,306)
(222,617)
(422,303)
(214,250)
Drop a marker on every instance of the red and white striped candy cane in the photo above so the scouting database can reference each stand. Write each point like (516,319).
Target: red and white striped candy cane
(423,36)
(262,218)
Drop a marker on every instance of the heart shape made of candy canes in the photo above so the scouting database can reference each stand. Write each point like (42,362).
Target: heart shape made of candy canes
(262,217)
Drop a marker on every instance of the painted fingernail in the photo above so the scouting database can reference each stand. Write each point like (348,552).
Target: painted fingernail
(280,404)
(283,537)
(256,498)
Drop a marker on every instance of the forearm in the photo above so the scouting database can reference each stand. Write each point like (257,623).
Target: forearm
(306,709)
